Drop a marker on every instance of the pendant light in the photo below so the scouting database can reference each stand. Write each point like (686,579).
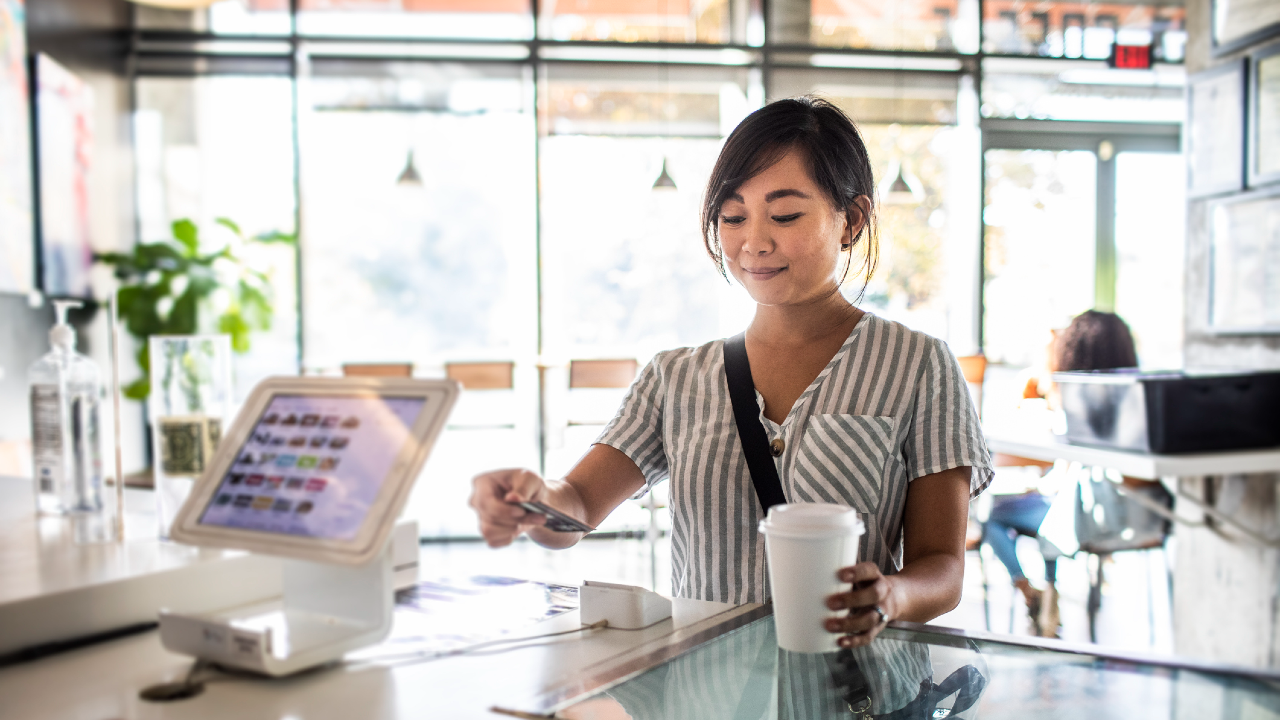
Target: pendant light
(664,181)
(903,189)
(409,175)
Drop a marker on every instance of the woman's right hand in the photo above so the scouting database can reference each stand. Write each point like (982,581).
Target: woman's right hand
(493,495)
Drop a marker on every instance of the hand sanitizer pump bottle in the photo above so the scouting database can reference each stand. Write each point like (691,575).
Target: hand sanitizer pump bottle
(65,393)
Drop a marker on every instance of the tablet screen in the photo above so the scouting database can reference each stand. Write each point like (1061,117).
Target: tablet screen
(314,465)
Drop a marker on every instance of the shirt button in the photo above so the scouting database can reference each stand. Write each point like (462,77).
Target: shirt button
(777,446)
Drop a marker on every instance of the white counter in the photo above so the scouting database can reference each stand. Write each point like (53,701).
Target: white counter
(53,589)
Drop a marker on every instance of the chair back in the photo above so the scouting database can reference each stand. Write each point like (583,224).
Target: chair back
(377,369)
(602,373)
(483,375)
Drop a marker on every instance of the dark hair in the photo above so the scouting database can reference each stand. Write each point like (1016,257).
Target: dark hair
(1095,341)
(832,147)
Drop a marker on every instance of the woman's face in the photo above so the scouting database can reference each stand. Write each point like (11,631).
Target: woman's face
(781,235)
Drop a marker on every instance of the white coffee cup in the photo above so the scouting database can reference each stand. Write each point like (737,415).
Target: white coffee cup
(806,544)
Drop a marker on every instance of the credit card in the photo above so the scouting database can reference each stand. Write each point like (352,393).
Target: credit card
(556,520)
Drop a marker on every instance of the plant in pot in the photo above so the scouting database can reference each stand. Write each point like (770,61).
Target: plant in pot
(186,286)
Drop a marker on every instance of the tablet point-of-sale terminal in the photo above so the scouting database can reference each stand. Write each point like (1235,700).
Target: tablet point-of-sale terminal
(315,470)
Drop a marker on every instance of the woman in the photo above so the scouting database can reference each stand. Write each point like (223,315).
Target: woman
(858,410)
(1093,341)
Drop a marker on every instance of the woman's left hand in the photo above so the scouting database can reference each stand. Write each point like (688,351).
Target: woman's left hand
(869,603)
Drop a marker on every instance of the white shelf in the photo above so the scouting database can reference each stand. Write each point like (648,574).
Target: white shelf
(1048,447)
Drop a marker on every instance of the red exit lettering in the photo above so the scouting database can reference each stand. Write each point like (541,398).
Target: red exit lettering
(1131,57)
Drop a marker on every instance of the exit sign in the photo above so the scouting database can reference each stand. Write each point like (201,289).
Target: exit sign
(1130,57)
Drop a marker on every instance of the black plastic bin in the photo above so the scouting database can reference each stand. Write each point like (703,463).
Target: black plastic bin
(1170,413)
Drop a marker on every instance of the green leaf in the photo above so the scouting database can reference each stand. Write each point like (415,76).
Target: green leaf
(183,319)
(138,389)
(226,223)
(233,324)
(185,231)
(275,236)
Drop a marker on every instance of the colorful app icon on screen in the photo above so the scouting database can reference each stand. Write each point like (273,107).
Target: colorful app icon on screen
(271,419)
(304,507)
(351,422)
(328,463)
(243,501)
(275,481)
(267,458)
(245,459)
(277,441)
(316,484)
(339,442)
(235,478)
(294,483)
(288,461)
(224,499)
(298,441)
(262,502)
(255,480)
(330,421)
(262,438)
(306,461)
(282,505)
(319,441)
(310,420)
(290,419)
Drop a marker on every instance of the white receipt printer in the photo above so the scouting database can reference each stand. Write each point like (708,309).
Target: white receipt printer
(624,606)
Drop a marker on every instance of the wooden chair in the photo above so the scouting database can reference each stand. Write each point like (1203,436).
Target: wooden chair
(602,373)
(483,375)
(377,369)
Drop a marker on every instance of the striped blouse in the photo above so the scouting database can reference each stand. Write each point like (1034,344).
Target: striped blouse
(889,407)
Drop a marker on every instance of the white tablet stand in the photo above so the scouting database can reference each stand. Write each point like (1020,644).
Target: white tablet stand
(338,595)
(327,610)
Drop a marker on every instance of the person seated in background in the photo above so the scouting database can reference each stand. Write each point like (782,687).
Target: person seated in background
(1093,341)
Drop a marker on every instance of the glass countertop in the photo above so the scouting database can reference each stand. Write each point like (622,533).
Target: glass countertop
(919,671)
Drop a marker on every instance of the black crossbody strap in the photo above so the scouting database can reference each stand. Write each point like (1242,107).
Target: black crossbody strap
(755,444)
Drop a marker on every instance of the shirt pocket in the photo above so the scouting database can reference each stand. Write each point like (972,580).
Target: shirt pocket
(843,459)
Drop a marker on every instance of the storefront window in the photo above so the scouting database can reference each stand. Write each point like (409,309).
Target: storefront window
(448,19)
(924,25)
(624,270)
(676,21)
(1080,90)
(1083,29)
(1040,231)
(222,147)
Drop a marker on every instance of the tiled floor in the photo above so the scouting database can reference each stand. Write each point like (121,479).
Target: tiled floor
(1135,611)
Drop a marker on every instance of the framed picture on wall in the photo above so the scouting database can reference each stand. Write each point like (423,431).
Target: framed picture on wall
(1264,115)
(64,132)
(1215,130)
(1240,23)
(1244,277)
(17,235)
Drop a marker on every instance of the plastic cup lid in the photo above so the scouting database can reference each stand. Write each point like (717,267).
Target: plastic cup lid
(817,519)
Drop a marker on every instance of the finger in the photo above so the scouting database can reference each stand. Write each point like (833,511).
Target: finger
(525,486)
(860,639)
(856,622)
(861,572)
(496,535)
(868,594)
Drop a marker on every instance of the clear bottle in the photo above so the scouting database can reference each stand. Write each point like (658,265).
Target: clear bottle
(65,396)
